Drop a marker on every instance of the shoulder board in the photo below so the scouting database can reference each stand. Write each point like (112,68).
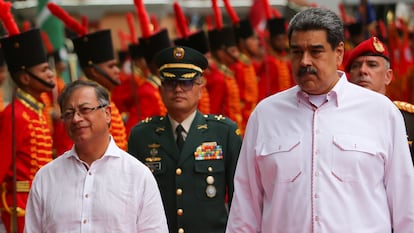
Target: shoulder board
(404,106)
(223,120)
(225,70)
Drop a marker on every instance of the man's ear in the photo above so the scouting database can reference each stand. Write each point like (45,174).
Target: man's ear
(389,76)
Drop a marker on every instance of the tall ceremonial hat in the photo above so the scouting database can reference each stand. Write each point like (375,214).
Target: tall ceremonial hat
(180,63)
(151,42)
(21,50)
(92,48)
(220,37)
(242,28)
(197,40)
(370,47)
(275,23)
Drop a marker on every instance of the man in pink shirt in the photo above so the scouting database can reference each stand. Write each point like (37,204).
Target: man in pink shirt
(325,155)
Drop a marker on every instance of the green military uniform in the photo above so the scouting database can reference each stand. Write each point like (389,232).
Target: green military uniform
(197,181)
(193,188)
(407,111)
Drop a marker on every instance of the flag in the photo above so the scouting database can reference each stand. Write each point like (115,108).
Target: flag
(50,24)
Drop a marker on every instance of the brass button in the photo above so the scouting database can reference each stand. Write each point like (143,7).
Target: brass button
(180,212)
(179,192)
(180,230)
(210,169)
(178,171)
(210,180)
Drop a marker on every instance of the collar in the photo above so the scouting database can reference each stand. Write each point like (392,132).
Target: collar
(29,101)
(335,94)
(186,123)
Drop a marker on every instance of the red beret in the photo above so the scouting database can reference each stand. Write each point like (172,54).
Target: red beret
(370,47)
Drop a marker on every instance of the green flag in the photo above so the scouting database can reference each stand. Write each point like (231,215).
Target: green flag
(50,24)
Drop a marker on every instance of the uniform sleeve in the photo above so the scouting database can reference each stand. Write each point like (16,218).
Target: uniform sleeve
(246,210)
(152,216)
(34,210)
(399,180)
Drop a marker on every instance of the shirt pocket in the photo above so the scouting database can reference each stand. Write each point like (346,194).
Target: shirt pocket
(355,158)
(280,157)
(209,179)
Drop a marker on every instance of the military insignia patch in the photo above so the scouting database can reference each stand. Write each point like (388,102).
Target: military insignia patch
(178,53)
(378,45)
(208,151)
(153,162)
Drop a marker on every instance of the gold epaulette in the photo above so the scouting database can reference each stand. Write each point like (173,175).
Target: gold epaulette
(404,106)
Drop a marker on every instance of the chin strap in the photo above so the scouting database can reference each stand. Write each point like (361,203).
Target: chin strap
(106,75)
(50,85)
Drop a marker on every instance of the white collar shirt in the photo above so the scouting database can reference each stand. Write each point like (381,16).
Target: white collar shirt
(344,166)
(116,194)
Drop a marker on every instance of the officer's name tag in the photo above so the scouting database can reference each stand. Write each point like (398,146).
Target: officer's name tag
(154,166)
(208,151)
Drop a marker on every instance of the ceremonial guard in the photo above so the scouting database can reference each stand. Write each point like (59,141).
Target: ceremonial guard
(97,60)
(26,140)
(193,156)
(275,74)
(222,41)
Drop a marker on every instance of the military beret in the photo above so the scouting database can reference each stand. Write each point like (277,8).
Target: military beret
(17,49)
(180,63)
(94,48)
(370,47)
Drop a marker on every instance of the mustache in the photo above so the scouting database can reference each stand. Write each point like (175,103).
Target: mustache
(307,70)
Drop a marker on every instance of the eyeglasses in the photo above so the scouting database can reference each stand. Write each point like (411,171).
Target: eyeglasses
(83,111)
(186,85)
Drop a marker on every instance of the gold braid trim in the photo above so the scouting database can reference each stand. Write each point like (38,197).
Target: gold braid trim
(404,106)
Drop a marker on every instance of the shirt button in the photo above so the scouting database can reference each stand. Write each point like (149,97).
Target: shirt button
(316,196)
(179,192)
(178,171)
(180,212)
(90,173)
(180,230)
(316,218)
(86,195)
(85,221)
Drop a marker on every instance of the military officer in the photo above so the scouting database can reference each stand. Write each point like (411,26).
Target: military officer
(193,156)
(369,66)
(25,135)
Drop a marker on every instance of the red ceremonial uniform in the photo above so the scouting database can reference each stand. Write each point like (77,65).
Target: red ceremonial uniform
(275,75)
(33,146)
(117,128)
(216,87)
(248,88)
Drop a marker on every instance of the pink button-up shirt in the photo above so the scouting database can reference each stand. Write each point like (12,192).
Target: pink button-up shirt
(344,166)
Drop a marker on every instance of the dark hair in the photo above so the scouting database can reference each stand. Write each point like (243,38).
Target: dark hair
(319,19)
(102,94)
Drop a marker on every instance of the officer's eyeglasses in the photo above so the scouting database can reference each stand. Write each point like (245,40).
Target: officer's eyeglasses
(82,111)
(186,85)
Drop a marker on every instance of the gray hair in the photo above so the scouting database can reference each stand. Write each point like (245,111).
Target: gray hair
(102,94)
(319,19)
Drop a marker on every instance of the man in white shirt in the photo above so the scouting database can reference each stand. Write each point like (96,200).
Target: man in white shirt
(96,186)
(326,155)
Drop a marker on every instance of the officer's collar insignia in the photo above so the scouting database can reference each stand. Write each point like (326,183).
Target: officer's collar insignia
(238,132)
(178,53)
(378,45)
(147,120)
(160,129)
(202,126)
(220,117)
